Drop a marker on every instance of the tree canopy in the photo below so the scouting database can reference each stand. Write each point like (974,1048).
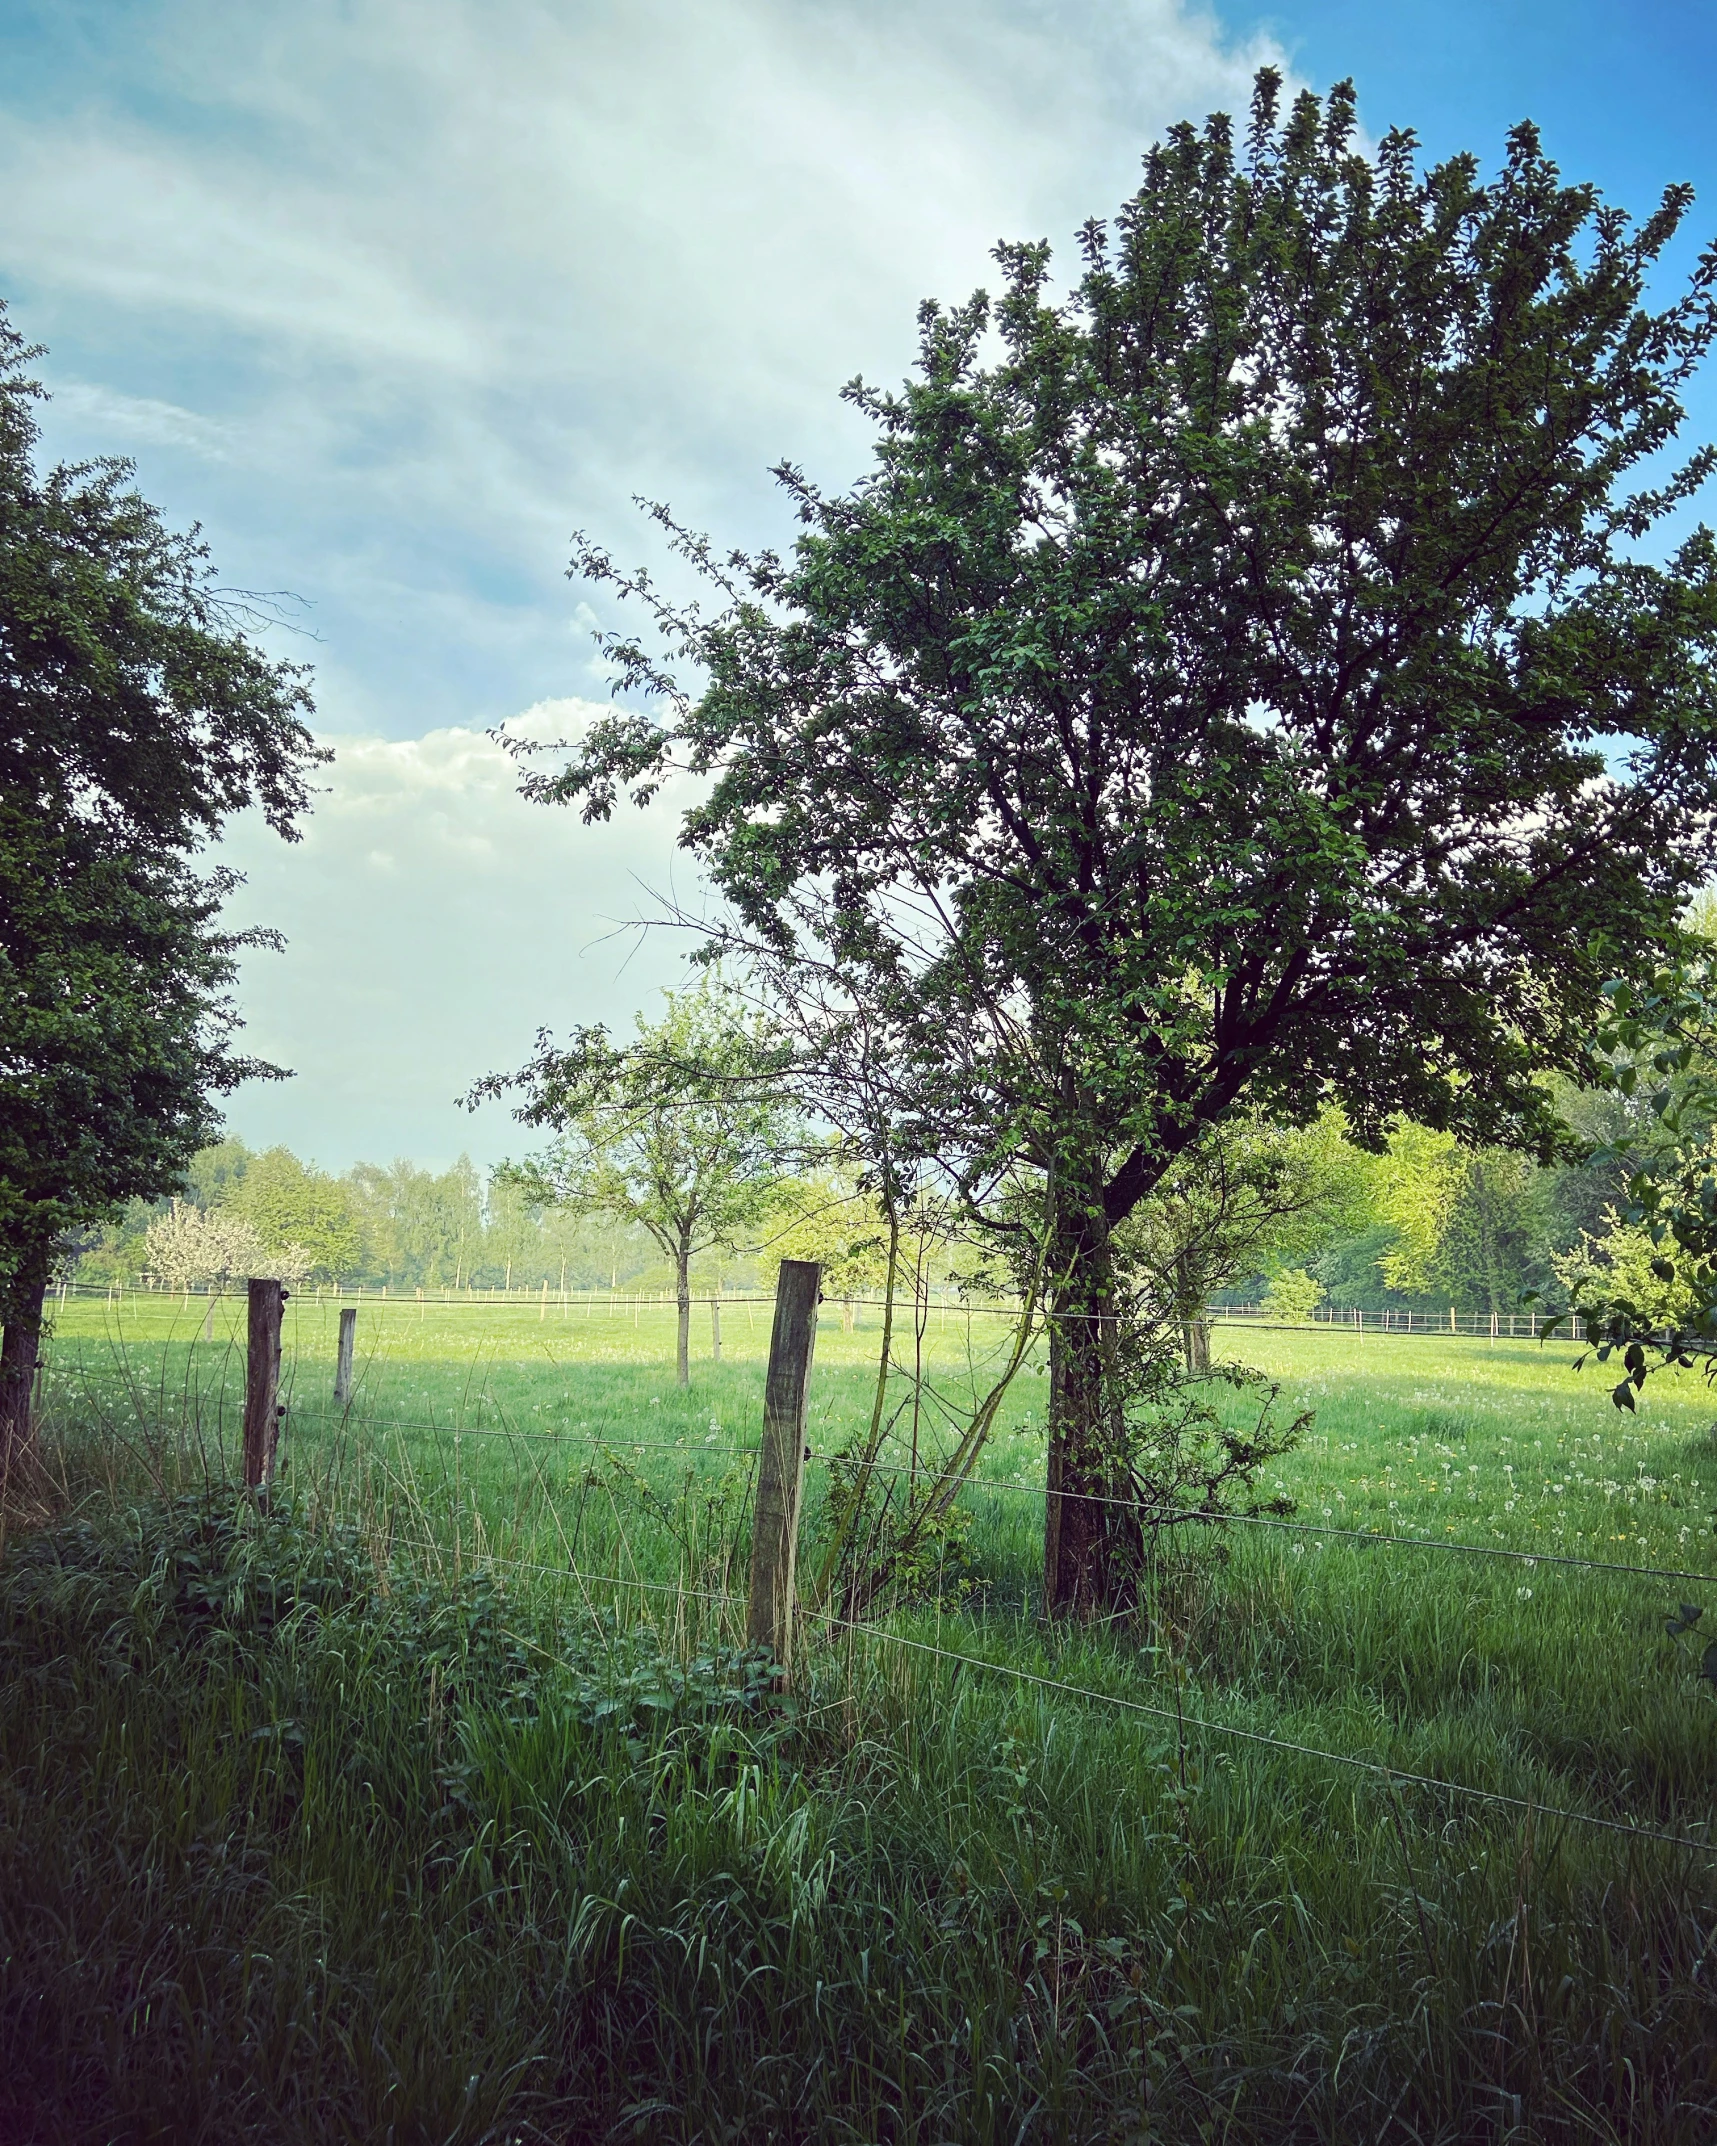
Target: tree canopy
(137,714)
(1236,681)
(685,1134)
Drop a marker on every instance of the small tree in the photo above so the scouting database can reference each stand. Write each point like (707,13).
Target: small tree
(685,1133)
(1293,1296)
(189,1246)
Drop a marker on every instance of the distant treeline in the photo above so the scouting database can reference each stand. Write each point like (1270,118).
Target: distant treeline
(1426,1225)
(396,1223)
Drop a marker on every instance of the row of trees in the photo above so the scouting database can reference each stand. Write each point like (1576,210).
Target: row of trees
(1427,1222)
(242,1212)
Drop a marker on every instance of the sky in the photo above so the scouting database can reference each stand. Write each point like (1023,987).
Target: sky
(391,298)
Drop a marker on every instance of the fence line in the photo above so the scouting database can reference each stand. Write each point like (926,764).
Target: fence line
(1407,1324)
(362,1419)
(426,1425)
(1034,1490)
(1177,1716)
(791,1350)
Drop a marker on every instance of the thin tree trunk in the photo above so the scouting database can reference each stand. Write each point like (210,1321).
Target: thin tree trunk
(1194,1326)
(683,1294)
(20,1353)
(840,1542)
(1093,1542)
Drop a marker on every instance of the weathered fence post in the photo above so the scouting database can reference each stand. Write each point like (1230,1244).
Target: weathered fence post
(343,1362)
(262,1384)
(715,1329)
(781,1462)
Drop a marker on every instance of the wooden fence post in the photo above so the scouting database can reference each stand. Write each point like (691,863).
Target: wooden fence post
(715,1329)
(781,1462)
(262,1411)
(343,1362)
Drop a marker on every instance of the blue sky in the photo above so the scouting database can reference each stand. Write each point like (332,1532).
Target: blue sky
(391,295)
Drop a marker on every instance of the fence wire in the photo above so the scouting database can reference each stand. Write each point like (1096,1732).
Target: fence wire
(1176,1716)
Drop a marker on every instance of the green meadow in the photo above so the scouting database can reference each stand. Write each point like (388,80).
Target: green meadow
(439,1802)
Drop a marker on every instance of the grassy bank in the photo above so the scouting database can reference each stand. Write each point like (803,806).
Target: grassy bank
(374,1818)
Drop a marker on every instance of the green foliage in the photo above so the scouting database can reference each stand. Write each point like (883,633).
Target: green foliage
(135,717)
(827,1217)
(422,1228)
(1648,1291)
(1466,1222)
(293,1206)
(115,1037)
(687,1135)
(1293,1295)
(1202,703)
(896,1541)
(1193,1464)
(1252,1197)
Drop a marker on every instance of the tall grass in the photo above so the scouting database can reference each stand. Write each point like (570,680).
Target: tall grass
(366,1818)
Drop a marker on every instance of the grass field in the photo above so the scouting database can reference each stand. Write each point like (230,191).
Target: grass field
(470,1849)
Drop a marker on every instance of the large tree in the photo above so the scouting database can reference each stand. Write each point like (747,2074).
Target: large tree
(135,715)
(1237,683)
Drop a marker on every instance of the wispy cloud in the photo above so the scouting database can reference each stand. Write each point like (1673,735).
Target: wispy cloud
(450,279)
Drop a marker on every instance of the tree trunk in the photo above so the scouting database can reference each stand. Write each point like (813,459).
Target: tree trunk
(1194,1326)
(683,1296)
(1093,1543)
(20,1353)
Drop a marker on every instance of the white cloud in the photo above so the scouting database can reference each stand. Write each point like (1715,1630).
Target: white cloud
(131,420)
(434,920)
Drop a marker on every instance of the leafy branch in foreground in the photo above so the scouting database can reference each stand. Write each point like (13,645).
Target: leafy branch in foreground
(1659,1308)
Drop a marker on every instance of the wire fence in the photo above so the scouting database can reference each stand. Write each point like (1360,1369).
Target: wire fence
(354,1416)
(874,1630)
(1183,1721)
(942,1303)
(1002,1486)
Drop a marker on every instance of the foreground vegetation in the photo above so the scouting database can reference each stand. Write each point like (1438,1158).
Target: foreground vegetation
(333,1822)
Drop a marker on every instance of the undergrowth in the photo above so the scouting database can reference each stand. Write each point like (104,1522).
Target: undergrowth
(303,1840)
